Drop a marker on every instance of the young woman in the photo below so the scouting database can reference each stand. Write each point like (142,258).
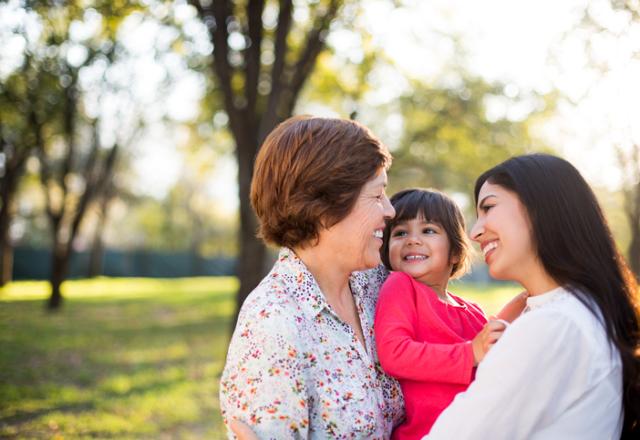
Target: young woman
(568,367)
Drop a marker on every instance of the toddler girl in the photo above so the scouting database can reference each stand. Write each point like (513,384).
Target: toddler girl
(428,338)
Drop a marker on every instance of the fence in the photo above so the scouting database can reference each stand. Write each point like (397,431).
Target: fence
(35,264)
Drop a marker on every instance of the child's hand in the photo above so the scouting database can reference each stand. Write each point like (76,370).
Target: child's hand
(514,308)
(488,336)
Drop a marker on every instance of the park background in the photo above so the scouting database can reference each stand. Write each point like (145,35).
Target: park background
(127,134)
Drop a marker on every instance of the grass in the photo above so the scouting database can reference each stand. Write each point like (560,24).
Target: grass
(491,297)
(124,358)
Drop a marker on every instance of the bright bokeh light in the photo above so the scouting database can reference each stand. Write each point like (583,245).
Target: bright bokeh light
(532,46)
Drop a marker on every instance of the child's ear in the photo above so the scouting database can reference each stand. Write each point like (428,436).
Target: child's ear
(455,259)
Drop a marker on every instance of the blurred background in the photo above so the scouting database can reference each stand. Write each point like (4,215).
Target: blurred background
(127,135)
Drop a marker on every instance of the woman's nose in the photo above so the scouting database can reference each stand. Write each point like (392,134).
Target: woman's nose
(389,211)
(477,230)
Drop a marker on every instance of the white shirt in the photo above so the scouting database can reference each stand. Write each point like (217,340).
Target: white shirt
(553,375)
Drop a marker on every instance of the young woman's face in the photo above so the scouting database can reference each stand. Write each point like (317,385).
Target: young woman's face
(503,231)
(421,249)
(358,237)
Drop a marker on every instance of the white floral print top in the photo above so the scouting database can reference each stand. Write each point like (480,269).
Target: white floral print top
(295,370)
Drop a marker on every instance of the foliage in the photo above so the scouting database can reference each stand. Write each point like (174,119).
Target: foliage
(630,167)
(263,54)
(126,358)
(453,132)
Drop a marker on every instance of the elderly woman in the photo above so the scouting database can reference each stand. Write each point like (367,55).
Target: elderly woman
(302,361)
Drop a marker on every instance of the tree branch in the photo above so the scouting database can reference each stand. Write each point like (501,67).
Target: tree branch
(70,107)
(252,56)
(198,6)
(270,117)
(224,71)
(314,45)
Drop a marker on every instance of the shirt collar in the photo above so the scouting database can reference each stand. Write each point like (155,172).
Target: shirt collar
(304,288)
(536,301)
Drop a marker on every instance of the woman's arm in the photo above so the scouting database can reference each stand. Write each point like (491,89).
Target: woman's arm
(264,380)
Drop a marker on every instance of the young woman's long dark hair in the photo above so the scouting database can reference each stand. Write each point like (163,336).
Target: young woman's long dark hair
(576,248)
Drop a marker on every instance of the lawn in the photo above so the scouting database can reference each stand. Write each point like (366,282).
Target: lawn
(124,358)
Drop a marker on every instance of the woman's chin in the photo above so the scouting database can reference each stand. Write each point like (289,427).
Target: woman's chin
(372,261)
(497,274)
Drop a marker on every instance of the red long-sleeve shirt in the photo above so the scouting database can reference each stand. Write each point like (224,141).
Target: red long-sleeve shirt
(426,344)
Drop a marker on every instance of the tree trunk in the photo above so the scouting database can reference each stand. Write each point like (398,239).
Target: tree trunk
(634,254)
(6,263)
(6,250)
(59,268)
(251,262)
(634,223)
(96,255)
(97,247)
(9,183)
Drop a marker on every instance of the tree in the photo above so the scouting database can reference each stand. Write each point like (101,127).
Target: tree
(630,165)
(75,163)
(449,137)
(625,26)
(16,145)
(260,68)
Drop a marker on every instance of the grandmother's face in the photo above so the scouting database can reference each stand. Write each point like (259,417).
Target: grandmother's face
(358,237)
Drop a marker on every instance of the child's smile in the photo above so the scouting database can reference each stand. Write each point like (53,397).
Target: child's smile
(421,249)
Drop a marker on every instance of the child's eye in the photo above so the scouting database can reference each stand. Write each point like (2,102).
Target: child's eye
(398,233)
(429,231)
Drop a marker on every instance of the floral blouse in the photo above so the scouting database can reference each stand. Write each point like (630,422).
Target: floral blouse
(296,370)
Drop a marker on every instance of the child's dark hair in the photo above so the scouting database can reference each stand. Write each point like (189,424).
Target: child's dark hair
(435,207)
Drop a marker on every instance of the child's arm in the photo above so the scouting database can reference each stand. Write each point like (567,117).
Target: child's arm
(403,356)
(514,307)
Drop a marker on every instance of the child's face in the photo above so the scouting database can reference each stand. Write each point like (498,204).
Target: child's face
(421,249)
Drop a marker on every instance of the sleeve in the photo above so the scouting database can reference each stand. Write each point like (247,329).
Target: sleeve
(401,354)
(538,367)
(264,380)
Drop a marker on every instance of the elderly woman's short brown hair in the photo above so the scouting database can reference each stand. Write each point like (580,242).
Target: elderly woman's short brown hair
(308,175)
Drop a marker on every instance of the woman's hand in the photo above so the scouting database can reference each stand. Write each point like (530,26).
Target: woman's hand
(488,336)
(514,308)
(242,430)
